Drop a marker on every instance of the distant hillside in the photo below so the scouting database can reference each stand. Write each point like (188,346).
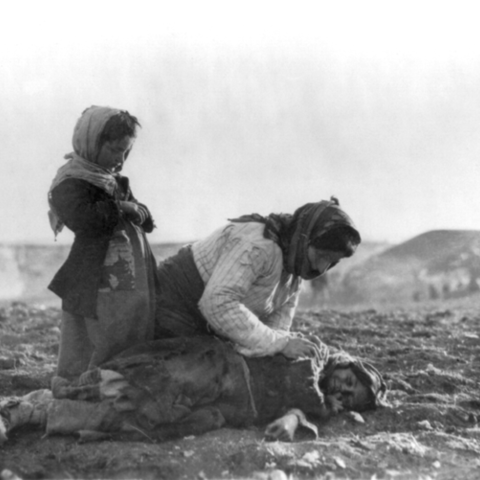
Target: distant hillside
(435,264)
(26,270)
(165,250)
(328,289)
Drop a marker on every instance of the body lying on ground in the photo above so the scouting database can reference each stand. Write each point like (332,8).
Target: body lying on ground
(176,387)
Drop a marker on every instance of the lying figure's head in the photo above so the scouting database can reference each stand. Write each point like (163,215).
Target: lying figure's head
(350,384)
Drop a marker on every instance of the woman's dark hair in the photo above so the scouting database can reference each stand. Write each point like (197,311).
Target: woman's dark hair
(342,239)
(119,126)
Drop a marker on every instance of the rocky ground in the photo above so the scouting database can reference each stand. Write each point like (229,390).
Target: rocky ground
(429,353)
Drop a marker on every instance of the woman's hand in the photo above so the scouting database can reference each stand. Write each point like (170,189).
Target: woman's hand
(323,349)
(298,347)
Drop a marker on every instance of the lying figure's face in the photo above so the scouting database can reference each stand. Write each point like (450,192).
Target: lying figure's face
(347,389)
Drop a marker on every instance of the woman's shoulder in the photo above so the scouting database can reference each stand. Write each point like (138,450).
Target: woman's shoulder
(262,250)
(253,232)
(237,236)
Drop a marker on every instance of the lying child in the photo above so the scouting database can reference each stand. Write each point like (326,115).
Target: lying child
(187,386)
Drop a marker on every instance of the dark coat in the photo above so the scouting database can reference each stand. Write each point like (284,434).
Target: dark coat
(92,215)
(186,386)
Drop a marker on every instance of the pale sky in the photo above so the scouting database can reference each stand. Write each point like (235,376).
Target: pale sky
(251,106)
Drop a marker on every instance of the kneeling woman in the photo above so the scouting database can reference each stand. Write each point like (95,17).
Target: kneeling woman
(242,283)
(182,386)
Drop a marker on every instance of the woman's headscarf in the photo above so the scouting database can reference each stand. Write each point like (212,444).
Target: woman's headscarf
(293,233)
(366,373)
(80,164)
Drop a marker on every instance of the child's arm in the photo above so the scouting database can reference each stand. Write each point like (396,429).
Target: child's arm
(84,208)
(138,212)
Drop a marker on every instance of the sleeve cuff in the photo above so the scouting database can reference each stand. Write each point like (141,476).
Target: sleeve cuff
(262,351)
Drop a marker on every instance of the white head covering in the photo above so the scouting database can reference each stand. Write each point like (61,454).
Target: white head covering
(81,162)
(89,128)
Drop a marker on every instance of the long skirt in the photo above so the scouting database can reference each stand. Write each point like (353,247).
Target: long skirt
(180,290)
(125,306)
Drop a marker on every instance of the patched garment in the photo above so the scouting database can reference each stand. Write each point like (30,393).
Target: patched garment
(118,272)
(125,303)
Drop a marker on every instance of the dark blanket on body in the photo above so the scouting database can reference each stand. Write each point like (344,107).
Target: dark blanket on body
(200,382)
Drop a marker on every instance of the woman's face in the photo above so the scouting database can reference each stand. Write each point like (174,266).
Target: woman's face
(113,153)
(319,261)
(345,386)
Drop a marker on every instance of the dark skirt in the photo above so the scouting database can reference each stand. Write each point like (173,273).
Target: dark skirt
(125,306)
(179,292)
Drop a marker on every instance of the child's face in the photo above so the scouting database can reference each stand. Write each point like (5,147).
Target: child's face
(113,153)
(345,386)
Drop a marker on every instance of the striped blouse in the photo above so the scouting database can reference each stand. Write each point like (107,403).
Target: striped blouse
(248,296)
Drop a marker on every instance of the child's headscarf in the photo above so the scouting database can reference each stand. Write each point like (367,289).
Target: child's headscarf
(293,233)
(80,164)
(88,130)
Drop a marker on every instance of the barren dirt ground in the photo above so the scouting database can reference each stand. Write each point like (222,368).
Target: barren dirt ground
(430,355)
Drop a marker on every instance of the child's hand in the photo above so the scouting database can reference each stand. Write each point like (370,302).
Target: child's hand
(132,211)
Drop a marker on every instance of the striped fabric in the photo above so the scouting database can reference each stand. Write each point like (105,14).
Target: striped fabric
(248,296)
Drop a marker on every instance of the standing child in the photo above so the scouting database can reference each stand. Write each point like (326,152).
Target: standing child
(107,284)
